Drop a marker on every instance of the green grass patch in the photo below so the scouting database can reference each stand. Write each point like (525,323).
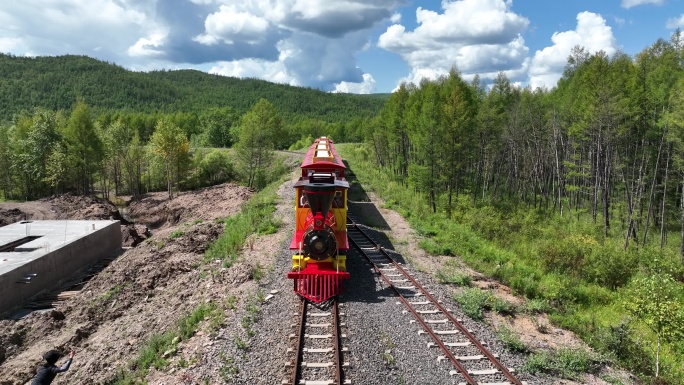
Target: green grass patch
(157,350)
(474,302)
(256,217)
(566,363)
(448,276)
(511,340)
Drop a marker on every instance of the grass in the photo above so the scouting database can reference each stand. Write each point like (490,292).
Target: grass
(511,341)
(159,347)
(566,363)
(447,276)
(386,356)
(256,217)
(474,302)
(564,266)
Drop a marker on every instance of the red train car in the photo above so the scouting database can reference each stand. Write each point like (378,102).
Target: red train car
(320,237)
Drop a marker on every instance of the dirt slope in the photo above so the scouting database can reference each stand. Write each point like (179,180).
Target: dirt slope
(144,291)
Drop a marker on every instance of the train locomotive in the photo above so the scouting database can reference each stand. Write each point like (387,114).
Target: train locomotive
(320,238)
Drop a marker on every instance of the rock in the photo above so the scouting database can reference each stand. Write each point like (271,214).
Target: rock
(57,315)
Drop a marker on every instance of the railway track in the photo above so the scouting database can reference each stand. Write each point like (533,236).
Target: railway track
(472,361)
(318,352)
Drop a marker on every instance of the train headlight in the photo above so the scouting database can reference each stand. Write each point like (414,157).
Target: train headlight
(320,244)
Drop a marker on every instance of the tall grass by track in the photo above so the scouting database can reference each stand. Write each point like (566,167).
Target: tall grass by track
(255,218)
(565,262)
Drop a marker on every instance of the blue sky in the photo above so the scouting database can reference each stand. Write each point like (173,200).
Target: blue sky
(357,46)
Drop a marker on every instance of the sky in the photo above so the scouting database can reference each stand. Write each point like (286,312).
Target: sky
(355,46)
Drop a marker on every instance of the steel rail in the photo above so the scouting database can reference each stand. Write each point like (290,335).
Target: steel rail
(300,344)
(337,341)
(429,296)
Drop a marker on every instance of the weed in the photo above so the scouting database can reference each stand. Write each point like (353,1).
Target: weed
(542,327)
(502,306)
(196,221)
(250,317)
(228,368)
(240,344)
(230,302)
(176,234)
(474,302)
(537,306)
(257,272)
(188,325)
(511,340)
(386,356)
(454,278)
(566,363)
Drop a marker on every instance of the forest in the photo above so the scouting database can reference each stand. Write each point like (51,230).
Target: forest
(577,192)
(57,83)
(573,197)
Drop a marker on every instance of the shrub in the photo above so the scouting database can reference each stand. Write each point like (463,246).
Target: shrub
(473,302)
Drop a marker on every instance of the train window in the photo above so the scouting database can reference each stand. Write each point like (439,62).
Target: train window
(303,202)
(338,201)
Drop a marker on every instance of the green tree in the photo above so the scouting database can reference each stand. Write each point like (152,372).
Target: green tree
(216,123)
(84,148)
(656,300)
(254,149)
(32,140)
(171,145)
(215,167)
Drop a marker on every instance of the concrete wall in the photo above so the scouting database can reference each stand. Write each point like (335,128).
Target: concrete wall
(56,266)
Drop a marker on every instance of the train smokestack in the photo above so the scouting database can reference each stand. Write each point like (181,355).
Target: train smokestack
(320,197)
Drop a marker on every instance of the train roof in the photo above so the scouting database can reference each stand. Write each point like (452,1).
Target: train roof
(322,154)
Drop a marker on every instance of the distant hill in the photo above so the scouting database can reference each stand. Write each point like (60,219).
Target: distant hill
(56,82)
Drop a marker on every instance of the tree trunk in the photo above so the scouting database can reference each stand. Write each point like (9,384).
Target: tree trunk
(653,181)
(664,199)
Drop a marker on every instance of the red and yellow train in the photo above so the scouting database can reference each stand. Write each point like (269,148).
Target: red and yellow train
(320,237)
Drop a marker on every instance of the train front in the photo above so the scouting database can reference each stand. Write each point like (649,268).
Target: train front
(320,239)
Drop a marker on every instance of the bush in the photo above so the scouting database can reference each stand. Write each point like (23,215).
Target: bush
(610,267)
(473,302)
(566,255)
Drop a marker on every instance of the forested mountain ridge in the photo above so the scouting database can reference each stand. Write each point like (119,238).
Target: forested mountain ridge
(57,82)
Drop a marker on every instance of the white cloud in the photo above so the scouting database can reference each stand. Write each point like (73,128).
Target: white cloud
(12,44)
(148,46)
(229,25)
(634,3)
(73,27)
(676,22)
(262,69)
(476,36)
(592,33)
(366,87)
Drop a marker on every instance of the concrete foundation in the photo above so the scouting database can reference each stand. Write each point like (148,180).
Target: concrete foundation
(36,256)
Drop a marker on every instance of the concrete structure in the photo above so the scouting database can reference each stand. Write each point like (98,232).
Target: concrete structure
(36,256)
